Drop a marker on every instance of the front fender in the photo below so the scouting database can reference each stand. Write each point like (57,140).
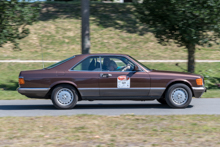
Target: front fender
(179,80)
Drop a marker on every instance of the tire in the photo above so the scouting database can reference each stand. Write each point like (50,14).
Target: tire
(162,101)
(178,96)
(64,96)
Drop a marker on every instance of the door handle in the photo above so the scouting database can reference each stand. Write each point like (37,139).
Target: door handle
(105,75)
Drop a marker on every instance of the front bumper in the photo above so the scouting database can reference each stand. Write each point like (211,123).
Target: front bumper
(34,92)
(198,91)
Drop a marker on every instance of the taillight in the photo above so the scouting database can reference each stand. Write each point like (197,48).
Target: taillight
(199,81)
(21,81)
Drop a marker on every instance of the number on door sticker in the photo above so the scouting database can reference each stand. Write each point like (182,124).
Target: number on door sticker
(123,82)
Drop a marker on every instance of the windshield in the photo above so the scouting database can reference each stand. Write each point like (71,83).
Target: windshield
(58,63)
(140,63)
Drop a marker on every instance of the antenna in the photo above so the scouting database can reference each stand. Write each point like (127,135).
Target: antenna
(42,54)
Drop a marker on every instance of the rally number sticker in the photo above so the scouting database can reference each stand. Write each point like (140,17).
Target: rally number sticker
(123,82)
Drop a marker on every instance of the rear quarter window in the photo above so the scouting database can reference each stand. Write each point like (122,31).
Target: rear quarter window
(59,63)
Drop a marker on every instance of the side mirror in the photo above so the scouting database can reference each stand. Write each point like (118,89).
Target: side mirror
(136,68)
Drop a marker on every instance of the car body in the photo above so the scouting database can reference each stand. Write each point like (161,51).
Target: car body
(108,77)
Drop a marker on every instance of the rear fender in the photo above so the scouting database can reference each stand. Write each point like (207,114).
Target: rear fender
(63,82)
(52,86)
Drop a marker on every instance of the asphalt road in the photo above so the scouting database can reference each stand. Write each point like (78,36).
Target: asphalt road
(46,108)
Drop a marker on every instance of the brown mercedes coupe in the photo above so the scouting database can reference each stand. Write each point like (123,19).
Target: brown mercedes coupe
(108,77)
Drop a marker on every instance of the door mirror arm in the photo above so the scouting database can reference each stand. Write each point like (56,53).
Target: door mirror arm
(136,68)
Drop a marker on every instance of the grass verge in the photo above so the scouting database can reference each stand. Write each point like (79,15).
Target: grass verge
(110,131)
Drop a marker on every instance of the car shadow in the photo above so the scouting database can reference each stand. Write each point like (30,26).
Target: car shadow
(27,107)
(88,106)
(123,106)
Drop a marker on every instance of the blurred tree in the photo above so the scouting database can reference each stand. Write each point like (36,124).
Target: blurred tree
(64,0)
(186,22)
(14,18)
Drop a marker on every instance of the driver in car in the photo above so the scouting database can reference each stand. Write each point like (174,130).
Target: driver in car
(112,66)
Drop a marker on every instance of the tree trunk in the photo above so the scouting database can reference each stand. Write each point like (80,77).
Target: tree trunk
(191,57)
(85,27)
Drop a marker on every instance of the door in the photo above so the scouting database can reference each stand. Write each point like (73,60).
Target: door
(118,79)
(86,75)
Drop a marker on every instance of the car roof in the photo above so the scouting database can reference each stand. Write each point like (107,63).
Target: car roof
(102,54)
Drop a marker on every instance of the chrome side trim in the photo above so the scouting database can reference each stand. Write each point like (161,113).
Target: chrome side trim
(89,91)
(124,88)
(34,89)
(156,91)
(198,88)
(88,88)
(160,88)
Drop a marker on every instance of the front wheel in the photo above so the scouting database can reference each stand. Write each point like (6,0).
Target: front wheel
(64,97)
(178,96)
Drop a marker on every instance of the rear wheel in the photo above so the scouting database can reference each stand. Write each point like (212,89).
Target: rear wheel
(64,96)
(178,96)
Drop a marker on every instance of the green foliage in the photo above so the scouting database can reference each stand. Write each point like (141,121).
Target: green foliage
(184,21)
(14,18)
(210,81)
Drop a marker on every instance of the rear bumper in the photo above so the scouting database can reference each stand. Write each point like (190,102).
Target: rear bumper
(34,92)
(198,91)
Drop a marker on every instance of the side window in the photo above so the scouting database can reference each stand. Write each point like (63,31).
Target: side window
(89,64)
(116,63)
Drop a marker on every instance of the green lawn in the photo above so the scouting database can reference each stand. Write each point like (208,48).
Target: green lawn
(111,131)
(10,72)
(114,29)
